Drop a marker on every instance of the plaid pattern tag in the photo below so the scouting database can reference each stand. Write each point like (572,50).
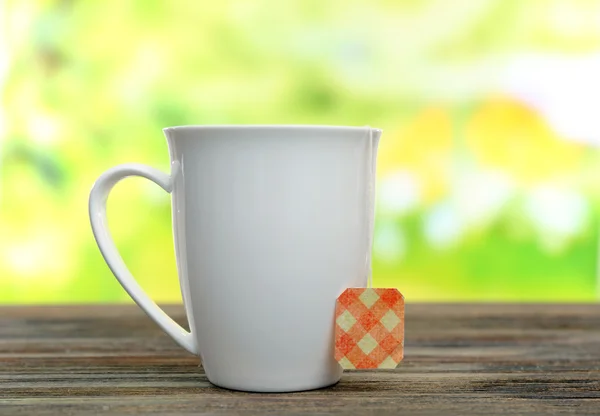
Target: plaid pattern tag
(369,328)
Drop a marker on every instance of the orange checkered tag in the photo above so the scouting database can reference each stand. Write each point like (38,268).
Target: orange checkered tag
(369,328)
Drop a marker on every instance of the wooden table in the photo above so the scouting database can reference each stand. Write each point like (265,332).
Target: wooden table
(459,359)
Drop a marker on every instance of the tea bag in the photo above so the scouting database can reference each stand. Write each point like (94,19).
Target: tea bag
(369,322)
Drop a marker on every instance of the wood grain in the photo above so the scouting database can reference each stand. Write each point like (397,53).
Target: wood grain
(459,359)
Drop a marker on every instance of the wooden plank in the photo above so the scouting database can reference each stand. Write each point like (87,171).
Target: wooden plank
(463,359)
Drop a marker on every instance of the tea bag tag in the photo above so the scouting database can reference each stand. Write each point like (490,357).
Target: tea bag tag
(369,328)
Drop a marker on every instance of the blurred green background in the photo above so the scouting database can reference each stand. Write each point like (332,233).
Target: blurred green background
(489,170)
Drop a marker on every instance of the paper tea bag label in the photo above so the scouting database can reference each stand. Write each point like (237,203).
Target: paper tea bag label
(369,328)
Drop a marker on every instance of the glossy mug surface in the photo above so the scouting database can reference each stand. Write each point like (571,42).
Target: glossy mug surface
(271,224)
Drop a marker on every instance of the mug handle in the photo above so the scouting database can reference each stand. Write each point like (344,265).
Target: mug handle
(97,210)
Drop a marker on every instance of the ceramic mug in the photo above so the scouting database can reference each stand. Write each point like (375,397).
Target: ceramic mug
(271,224)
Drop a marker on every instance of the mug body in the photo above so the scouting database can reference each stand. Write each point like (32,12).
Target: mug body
(271,224)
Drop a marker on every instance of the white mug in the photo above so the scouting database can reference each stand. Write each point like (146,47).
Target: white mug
(271,224)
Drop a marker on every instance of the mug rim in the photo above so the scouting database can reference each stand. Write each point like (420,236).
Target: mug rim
(268,127)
